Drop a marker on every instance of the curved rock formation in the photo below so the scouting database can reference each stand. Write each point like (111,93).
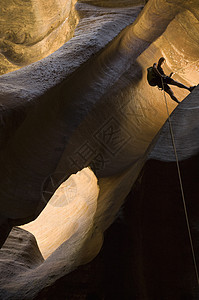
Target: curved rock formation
(31,30)
(88,105)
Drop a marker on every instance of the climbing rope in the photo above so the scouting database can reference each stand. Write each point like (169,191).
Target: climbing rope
(181,186)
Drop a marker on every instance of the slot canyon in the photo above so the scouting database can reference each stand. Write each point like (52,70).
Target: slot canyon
(99,191)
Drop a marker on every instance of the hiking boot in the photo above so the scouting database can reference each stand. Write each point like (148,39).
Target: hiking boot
(192,88)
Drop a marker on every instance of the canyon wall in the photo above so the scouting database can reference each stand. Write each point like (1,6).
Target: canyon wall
(85,110)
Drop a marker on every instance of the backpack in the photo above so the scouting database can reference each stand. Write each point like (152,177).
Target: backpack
(151,74)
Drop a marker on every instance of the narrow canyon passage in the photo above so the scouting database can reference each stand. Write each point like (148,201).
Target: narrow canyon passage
(79,124)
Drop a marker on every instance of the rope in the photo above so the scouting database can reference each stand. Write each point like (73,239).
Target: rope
(181,187)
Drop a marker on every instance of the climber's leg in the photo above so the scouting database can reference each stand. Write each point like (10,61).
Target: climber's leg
(169,80)
(171,94)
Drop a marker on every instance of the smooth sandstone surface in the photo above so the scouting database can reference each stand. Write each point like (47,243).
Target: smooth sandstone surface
(85,105)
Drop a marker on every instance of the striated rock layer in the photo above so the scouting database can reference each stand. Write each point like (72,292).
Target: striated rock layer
(87,106)
(31,30)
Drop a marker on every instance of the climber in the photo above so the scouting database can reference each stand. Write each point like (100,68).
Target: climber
(156,76)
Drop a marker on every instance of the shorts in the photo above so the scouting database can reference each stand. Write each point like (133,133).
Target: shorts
(166,80)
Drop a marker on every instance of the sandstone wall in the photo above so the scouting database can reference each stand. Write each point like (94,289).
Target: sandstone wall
(88,105)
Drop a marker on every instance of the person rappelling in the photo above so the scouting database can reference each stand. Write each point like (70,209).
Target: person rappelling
(157,77)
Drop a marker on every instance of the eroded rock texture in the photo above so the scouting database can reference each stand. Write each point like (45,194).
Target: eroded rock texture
(88,106)
(31,30)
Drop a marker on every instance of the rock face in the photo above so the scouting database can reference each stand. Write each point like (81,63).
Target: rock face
(87,110)
(31,30)
(19,253)
(161,244)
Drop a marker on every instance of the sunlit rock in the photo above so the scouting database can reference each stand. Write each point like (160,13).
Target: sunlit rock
(31,30)
(71,208)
